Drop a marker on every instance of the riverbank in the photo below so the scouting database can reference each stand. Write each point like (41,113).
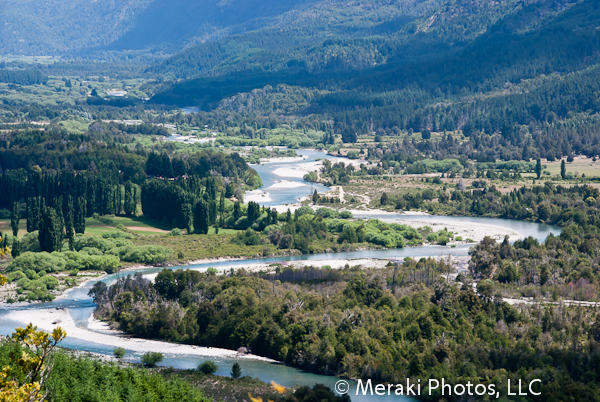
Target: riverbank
(49,319)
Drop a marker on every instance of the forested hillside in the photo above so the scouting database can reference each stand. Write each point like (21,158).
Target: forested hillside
(57,26)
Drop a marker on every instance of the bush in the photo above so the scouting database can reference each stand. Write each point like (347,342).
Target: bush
(208,367)
(142,254)
(15,276)
(151,359)
(30,242)
(176,232)
(327,213)
(119,353)
(74,272)
(303,210)
(50,282)
(345,215)
(118,235)
(23,282)
(31,274)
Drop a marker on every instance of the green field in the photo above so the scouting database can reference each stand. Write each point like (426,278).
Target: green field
(137,225)
(6,228)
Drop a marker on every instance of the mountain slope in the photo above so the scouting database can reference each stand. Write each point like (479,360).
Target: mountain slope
(458,47)
(179,20)
(58,26)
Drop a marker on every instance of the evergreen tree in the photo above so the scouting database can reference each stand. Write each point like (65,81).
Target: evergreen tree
(129,206)
(563,169)
(166,167)
(69,221)
(236,370)
(33,214)
(79,215)
(14,218)
(212,212)
(58,209)
(538,168)
(253,211)
(236,211)
(229,190)
(188,217)
(222,210)
(315,197)
(153,164)
(211,188)
(50,236)
(16,248)
(201,222)
(178,167)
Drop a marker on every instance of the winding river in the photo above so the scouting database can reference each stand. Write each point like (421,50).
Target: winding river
(80,306)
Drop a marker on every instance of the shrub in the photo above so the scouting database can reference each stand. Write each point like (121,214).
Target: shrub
(151,359)
(142,254)
(208,367)
(50,282)
(327,213)
(176,232)
(303,210)
(118,235)
(30,242)
(119,353)
(23,282)
(15,276)
(345,215)
(31,274)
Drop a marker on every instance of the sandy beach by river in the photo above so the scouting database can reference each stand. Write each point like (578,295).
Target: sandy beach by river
(48,319)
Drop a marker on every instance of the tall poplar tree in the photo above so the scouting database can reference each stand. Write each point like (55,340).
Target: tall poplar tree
(222,210)
(79,215)
(129,199)
(50,236)
(201,222)
(69,221)
(14,218)
(188,217)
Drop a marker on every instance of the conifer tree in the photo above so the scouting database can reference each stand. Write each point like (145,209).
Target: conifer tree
(14,218)
(222,210)
(50,236)
(16,248)
(69,221)
(212,212)
(129,199)
(201,223)
(188,217)
(79,215)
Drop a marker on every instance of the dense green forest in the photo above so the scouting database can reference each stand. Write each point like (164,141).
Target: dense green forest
(361,324)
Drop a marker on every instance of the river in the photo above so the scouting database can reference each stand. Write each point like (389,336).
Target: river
(81,307)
